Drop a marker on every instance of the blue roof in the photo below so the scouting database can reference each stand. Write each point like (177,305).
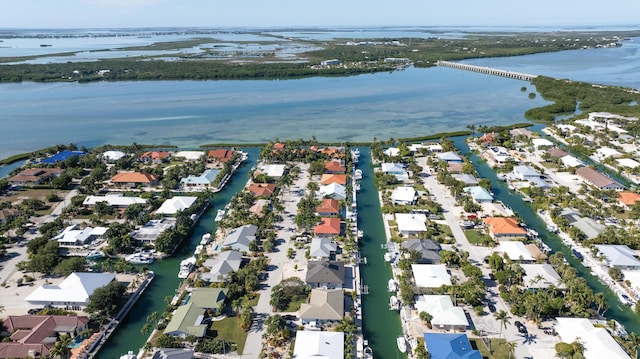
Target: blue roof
(479,193)
(205,178)
(61,156)
(450,346)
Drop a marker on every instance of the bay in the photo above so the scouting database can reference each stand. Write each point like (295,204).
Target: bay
(188,113)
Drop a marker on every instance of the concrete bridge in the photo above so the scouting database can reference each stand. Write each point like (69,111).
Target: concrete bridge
(487,70)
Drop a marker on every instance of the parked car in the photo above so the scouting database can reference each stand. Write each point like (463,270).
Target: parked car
(521,328)
(492,308)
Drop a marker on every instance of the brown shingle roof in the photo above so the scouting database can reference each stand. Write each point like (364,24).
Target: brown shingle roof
(221,154)
(595,178)
(557,152)
(35,174)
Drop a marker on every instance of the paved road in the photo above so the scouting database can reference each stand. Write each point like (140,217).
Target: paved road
(282,266)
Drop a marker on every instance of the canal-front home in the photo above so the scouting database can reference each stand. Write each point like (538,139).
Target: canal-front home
(72,293)
(194,317)
(312,344)
(325,274)
(324,306)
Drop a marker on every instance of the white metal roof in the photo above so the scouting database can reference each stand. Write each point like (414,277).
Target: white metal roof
(430,275)
(515,250)
(176,204)
(597,342)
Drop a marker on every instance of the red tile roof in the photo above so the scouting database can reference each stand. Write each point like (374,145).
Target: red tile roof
(279,146)
(504,226)
(221,154)
(155,155)
(334,166)
(329,205)
(333,178)
(262,189)
(628,198)
(329,225)
(134,177)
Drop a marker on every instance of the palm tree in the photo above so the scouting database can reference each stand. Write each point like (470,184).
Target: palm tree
(512,348)
(426,317)
(503,317)
(61,348)
(634,343)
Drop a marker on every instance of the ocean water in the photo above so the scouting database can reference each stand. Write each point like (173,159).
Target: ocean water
(189,113)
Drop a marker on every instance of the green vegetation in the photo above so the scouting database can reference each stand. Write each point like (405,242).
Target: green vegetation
(230,329)
(566,94)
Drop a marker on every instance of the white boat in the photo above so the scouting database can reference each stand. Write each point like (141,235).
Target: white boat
(219,215)
(413,343)
(186,267)
(387,257)
(392,286)
(139,258)
(402,344)
(95,254)
(358,174)
(206,238)
(129,355)
(360,233)
(368,352)
(357,187)
(394,303)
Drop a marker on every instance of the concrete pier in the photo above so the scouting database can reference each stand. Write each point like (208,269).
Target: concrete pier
(487,70)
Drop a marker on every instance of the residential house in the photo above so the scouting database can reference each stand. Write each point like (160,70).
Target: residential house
(404,195)
(323,249)
(8,214)
(174,205)
(597,179)
(541,143)
(454,167)
(193,318)
(334,167)
(521,132)
(328,227)
(220,155)
(537,276)
(148,233)
(324,306)
(504,228)
(411,224)
(479,194)
(465,178)
(557,152)
(317,344)
(328,207)
(272,170)
(571,161)
(72,237)
(62,156)
(34,176)
(397,169)
(34,336)
(334,190)
(112,156)
(627,162)
(603,153)
(628,199)
(327,274)
(444,315)
(516,251)
(619,256)
(449,157)
(597,341)
(450,346)
(221,265)
(173,353)
(134,179)
(586,225)
(154,157)
(525,173)
(116,201)
(259,206)
(428,248)
(327,179)
(72,293)
(430,275)
(241,237)
(200,183)
(189,156)
(264,190)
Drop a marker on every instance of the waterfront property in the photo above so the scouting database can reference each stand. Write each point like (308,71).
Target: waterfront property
(445,316)
(457,346)
(324,306)
(240,238)
(311,344)
(327,274)
(200,183)
(194,317)
(73,293)
(174,205)
(134,179)
(597,341)
(34,176)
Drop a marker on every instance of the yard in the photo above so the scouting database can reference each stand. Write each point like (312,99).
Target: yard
(499,348)
(229,329)
(477,238)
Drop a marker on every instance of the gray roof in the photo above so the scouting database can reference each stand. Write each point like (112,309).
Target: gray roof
(239,238)
(465,178)
(225,263)
(173,353)
(322,247)
(324,304)
(325,272)
(587,225)
(429,249)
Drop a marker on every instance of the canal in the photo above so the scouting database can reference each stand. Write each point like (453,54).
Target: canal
(166,281)
(617,310)
(381,326)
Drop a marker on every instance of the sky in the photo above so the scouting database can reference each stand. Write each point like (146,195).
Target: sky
(323,13)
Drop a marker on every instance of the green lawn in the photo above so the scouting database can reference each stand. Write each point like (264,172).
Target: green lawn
(294,305)
(476,237)
(229,329)
(499,348)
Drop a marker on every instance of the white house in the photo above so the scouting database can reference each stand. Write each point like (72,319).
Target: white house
(404,195)
(525,173)
(540,275)
(334,190)
(273,170)
(479,194)
(571,161)
(72,293)
(619,256)
(112,156)
(411,223)
(221,265)
(317,344)
(627,162)
(239,238)
(199,183)
(176,204)
(515,250)
(392,151)
(606,152)
(597,341)
(72,237)
(541,143)
(449,157)
(430,275)
(445,315)
(116,201)
(190,156)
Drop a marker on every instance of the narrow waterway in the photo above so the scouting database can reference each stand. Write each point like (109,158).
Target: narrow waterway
(617,311)
(166,281)
(381,326)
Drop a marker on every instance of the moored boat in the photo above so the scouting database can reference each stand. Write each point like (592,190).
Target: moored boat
(139,258)
(394,303)
(95,254)
(206,238)
(392,286)
(387,257)
(402,344)
(358,174)
(219,215)
(368,352)
(129,355)
(186,267)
